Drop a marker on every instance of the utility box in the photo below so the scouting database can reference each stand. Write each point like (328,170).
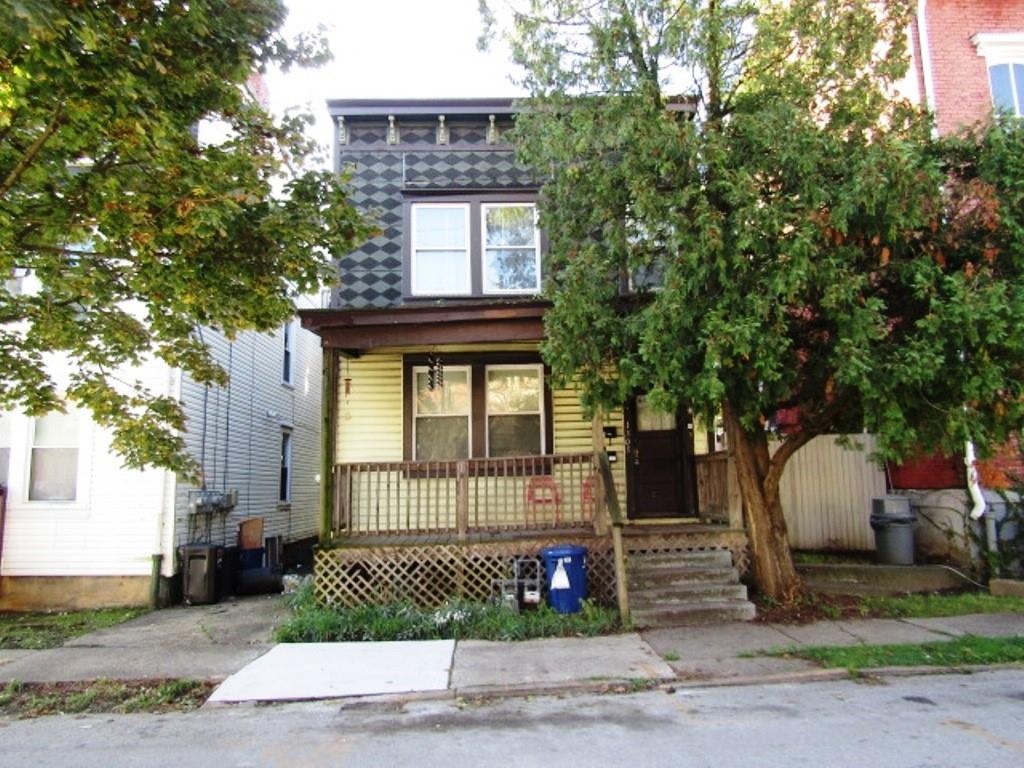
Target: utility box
(198,574)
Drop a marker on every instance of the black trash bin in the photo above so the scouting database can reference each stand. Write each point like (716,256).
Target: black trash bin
(892,520)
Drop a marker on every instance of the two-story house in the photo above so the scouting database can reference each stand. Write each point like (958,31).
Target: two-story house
(448,450)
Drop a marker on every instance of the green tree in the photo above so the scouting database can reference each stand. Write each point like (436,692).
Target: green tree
(138,234)
(825,259)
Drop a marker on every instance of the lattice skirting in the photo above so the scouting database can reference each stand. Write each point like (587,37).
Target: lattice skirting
(430,574)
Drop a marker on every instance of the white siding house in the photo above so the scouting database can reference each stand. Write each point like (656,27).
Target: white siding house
(81,530)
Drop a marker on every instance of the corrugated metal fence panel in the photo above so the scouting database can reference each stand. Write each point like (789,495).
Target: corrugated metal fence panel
(826,494)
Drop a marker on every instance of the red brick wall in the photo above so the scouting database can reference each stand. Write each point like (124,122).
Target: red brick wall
(928,472)
(959,74)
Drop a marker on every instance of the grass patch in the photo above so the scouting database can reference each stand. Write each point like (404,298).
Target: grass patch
(934,605)
(34,631)
(102,696)
(968,650)
(313,623)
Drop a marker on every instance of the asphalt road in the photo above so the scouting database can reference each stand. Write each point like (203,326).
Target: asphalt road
(949,720)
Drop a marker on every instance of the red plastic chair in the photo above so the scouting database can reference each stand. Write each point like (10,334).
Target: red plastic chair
(543,495)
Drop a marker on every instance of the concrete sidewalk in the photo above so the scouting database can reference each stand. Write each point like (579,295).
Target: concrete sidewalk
(233,642)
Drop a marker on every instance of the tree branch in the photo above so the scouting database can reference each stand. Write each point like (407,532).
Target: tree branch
(32,151)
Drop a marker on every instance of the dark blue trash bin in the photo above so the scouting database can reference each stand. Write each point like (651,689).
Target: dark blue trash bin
(566,569)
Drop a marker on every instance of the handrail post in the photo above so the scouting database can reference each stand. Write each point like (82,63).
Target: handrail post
(462,498)
(617,521)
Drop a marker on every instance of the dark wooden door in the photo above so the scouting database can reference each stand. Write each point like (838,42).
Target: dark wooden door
(660,470)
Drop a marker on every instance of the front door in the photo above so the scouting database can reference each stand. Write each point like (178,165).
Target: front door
(660,471)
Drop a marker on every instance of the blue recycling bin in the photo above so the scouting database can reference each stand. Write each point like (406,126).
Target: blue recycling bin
(566,568)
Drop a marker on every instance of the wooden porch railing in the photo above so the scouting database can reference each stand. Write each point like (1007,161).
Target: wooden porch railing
(468,496)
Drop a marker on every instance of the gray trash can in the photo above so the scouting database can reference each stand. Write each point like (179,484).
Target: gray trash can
(892,520)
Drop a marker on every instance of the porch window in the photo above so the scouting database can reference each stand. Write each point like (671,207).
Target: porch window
(441,413)
(54,462)
(511,248)
(515,410)
(440,249)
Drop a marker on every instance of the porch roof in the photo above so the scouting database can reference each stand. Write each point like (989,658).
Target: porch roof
(358,330)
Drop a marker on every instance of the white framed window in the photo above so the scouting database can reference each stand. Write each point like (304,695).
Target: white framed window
(1004,55)
(1007,84)
(53,466)
(5,449)
(441,425)
(511,248)
(515,410)
(284,492)
(286,363)
(441,249)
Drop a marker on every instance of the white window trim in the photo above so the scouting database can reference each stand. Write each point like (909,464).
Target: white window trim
(467,288)
(484,207)
(288,456)
(82,470)
(469,411)
(539,368)
(1000,47)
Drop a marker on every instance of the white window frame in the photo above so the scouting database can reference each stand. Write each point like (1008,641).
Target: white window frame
(467,286)
(484,207)
(1002,48)
(288,354)
(539,368)
(469,410)
(287,452)
(81,491)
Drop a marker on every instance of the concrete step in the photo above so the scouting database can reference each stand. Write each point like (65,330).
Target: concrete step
(693,613)
(661,576)
(695,592)
(716,557)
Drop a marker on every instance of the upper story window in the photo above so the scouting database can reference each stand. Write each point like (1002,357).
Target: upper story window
(484,246)
(1004,56)
(54,464)
(286,363)
(440,249)
(511,248)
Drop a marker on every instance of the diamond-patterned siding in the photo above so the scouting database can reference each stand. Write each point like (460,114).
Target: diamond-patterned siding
(371,276)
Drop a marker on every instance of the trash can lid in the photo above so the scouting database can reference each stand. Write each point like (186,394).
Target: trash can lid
(880,518)
(564,550)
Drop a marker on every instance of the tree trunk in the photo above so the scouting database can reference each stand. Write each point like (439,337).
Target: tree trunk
(759,475)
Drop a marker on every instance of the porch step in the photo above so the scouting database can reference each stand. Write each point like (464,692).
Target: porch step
(682,588)
(664,575)
(709,557)
(699,592)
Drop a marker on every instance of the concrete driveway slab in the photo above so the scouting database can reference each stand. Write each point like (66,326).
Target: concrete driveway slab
(295,671)
(552,661)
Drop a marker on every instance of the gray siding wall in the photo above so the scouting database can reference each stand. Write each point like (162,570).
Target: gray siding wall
(242,425)
(371,276)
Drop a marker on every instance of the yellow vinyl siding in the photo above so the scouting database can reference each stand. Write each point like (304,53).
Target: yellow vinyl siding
(575,434)
(370,413)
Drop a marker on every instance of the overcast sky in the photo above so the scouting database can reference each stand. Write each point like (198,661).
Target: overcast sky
(390,49)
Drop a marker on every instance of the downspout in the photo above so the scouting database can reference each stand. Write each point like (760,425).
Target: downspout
(164,552)
(979,508)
